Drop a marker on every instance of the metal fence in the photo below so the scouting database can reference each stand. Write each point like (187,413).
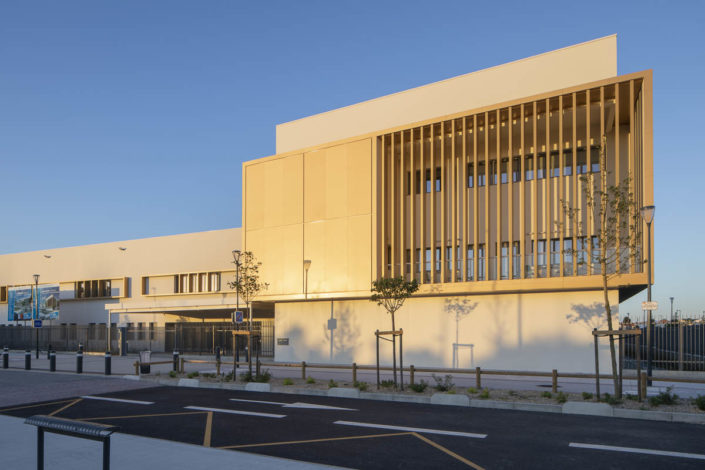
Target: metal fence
(677,345)
(199,338)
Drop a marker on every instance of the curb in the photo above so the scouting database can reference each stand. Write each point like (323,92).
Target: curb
(444,399)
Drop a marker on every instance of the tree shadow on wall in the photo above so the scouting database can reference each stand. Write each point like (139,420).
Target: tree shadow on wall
(341,334)
(592,316)
(460,308)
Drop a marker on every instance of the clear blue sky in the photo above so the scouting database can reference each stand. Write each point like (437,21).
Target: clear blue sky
(130,119)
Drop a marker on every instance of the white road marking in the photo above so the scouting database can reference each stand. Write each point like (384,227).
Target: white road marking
(298,404)
(235,412)
(258,401)
(635,450)
(120,400)
(421,430)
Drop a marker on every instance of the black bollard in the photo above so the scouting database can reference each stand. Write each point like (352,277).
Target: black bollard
(5,358)
(49,352)
(176,361)
(52,361)
(108,366)
(27,360)
(79,361)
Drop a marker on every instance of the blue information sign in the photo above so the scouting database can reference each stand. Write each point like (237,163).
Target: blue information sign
(238,316)
(37,323)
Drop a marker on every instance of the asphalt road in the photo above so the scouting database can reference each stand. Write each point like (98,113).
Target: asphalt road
(382,435)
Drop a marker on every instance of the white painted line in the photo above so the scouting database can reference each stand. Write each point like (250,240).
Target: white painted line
(119,400)
(259,401)
(235,412)
(404,428)
(635,450)
(298,404)
(313,406)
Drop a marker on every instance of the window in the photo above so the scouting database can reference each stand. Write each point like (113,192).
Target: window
(470,174)
(555,165)
(407,261)
(529,164)
(449,260)
(541,170)
(504,271)
(516,169)
(419,263)
(481,262)
(93,289)
(417,182)
(471,264)
(567,163)
(595,159)
(596,268)
(427,264)
(503,170)
(582,162)
(3,294)
(541,257)
(428,180)
(389,258)
(458,263)
(581,254)
(516,260)
(493,172)
(203,282)
(567,256)
(438,179)
(196,282)
(193,282)
(438,259)
(555,257)
(529,259)
(481,174)
(407,185)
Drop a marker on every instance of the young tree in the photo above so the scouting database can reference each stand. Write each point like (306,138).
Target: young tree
(248,285)
(390,293)
(617,234)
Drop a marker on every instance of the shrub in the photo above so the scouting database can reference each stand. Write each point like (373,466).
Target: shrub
(561,398)
(472,390)
(419,387)
(632,397)
(610,400)
(546,394)
(172,374)
(512,393)
(485,394)
(587,396)
(288,381)
(362,386)
(191,375)
(332,383)
(445,384)
(228,377)
(664,398)
(387,383)
(262,378)
(700,402)
(310,380)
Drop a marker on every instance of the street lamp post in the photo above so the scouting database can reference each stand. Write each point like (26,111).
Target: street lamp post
(35,299)
(671,308)
(236,258)
(647,213)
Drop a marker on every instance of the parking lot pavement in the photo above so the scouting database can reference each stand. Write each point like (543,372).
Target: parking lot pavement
(372,434)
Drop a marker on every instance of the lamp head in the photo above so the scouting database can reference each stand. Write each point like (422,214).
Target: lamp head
(236,255)
(307,264)
(647,213)
(36,278)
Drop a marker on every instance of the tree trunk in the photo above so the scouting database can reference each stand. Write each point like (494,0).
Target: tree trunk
(613,355)
(394,352)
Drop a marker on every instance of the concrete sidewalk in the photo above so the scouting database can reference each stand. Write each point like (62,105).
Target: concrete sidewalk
(18,447)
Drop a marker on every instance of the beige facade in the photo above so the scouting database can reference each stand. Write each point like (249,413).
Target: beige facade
(151,280)
(460,185)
